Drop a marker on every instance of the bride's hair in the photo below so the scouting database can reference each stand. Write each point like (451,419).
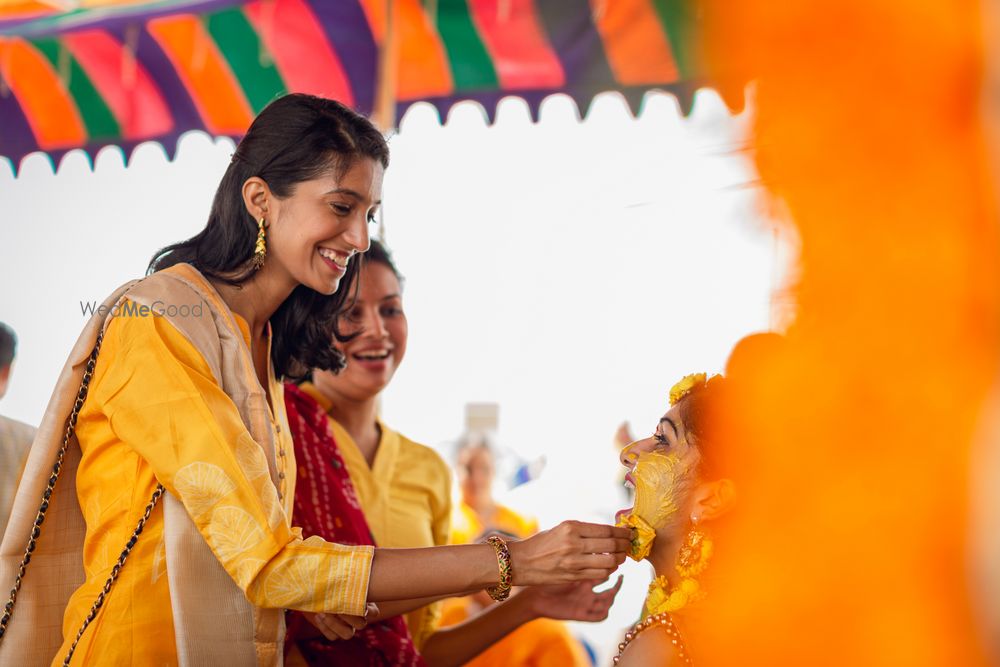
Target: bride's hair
(379,253)
(701,411)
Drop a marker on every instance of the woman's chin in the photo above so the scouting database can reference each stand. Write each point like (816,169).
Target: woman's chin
(324,287)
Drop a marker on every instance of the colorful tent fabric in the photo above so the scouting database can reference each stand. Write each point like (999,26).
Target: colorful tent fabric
(90,73)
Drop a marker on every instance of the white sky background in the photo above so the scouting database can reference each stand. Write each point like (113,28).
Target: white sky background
(570,272)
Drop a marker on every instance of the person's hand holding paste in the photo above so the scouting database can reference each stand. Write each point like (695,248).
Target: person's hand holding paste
(572,551)
(562,557)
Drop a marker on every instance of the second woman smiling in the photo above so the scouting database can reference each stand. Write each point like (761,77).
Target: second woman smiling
(403,489)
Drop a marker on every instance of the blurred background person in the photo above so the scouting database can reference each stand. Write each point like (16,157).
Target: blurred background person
(402,490)
(15,436)
(478,512)
(541,642)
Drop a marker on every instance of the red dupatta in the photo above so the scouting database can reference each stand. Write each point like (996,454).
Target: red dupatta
(326,505)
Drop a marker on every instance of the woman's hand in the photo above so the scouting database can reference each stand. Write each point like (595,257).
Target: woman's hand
(341,626)
(572,551)
(571,602)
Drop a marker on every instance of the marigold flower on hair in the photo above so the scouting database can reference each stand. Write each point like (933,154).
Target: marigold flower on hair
(685,385)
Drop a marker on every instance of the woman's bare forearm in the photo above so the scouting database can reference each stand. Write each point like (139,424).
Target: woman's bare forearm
(390,608)
(572,551)
(458,644)
(433,572)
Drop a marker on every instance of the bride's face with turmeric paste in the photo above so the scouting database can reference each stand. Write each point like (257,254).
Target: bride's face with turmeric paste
(662,468)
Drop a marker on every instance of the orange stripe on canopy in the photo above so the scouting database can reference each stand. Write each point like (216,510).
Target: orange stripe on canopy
(637,49)
(206,75)
(25,10)
(47,105)
(423,66)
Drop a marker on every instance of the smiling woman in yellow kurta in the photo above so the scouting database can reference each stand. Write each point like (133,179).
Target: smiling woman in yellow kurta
(405,494)
(161,392)
(402,488)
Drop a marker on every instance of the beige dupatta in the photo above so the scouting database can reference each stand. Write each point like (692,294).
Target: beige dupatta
(214,623)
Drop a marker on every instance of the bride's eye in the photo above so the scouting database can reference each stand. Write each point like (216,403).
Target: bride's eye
(660,440)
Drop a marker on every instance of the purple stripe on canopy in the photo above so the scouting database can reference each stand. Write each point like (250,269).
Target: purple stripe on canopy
(17,139)
(583,97)
(347,29)
(577,43)
(156,63)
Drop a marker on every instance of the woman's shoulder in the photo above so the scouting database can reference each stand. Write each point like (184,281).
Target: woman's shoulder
(653,646)
(178,307)
(425,455)
(172,288)
(174,294)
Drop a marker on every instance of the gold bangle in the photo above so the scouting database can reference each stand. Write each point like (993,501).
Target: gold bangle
(501,591)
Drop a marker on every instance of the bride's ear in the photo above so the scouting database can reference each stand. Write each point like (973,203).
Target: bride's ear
(713,499)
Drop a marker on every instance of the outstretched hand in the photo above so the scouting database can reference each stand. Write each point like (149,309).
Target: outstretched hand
(572,551)
(572,602)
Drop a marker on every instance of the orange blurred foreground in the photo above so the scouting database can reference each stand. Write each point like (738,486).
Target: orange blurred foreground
(851,546)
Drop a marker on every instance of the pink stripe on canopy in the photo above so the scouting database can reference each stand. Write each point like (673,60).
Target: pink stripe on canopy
(303,54)
(516,41)
(123,83)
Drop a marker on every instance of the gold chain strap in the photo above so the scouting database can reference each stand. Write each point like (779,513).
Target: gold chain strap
(53,478)
(36,530)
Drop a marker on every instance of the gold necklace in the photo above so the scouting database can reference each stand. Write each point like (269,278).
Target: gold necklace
(662,620)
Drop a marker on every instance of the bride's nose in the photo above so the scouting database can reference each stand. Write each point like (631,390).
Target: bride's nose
(629,454)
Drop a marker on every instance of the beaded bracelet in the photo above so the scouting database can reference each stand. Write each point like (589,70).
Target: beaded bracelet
(501,591)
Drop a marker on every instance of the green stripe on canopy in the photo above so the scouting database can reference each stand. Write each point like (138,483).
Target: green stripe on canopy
(97,117)
(678,20)
(471,65)
(247,57)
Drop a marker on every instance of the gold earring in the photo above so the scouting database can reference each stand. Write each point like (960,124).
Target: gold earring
(260,249)
(693,557)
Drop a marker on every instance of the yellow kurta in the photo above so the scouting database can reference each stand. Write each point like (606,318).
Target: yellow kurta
(405,495)
(155,413)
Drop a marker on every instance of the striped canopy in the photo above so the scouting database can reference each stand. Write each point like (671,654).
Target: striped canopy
(88,73)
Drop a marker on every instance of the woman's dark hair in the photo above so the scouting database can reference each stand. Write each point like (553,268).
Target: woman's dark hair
(8,345)
(701,410)
(379,254)
(296,138)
